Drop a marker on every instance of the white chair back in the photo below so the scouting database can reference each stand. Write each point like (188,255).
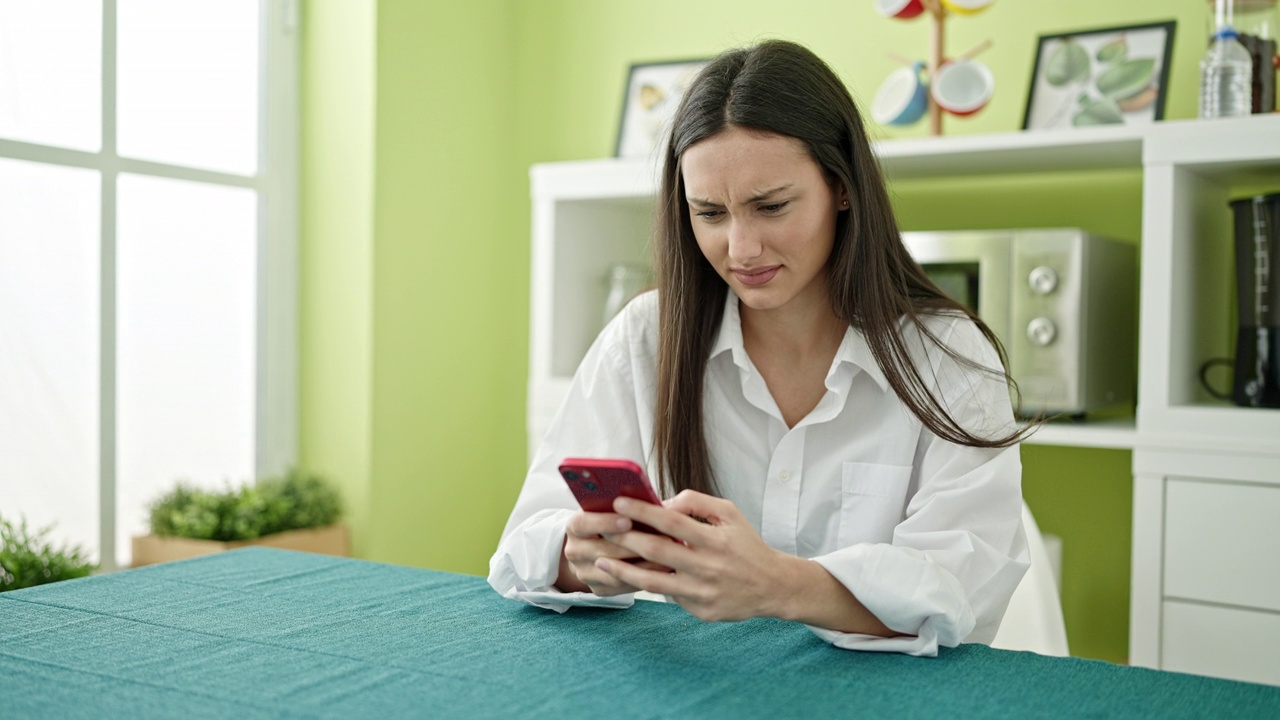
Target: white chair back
(1034,618)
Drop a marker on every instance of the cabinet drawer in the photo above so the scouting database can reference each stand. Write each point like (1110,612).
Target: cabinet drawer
(1222,542)
(1222,642)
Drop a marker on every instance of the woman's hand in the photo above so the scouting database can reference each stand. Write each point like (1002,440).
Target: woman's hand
(723,570)
(584,546)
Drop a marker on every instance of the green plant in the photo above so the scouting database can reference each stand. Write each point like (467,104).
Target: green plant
(293,502)
(27,558)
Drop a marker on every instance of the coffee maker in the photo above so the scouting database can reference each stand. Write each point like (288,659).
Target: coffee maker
(1257,241)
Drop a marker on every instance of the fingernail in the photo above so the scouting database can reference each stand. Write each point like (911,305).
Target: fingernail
(602,564)
(623,524)
(621,504)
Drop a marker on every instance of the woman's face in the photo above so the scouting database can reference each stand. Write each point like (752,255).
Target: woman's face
(764,216)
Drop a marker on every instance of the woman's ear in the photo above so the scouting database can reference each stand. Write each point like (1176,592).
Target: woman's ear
(839,191)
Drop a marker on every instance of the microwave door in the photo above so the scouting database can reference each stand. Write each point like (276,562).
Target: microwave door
(974,268)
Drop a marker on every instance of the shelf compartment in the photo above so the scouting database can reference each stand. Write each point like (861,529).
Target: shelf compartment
(1188,256)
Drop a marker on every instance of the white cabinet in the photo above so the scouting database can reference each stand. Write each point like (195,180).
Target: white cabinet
(1214,558)
(1221,538)
(1206,562)
(1221,642)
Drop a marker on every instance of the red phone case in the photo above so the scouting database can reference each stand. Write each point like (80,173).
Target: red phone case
(595,482)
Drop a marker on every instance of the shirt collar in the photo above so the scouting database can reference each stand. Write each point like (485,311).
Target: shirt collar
(729,339)
(853,349)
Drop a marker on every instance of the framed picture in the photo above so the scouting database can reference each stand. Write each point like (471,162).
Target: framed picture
(653,94)
(1109,76)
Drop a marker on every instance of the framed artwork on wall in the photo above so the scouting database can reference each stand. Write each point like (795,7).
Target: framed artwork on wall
(653,93)
(1108,76)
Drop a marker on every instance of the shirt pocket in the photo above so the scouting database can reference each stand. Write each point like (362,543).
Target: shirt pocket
(873,500)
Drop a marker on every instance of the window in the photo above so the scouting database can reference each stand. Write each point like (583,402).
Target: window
(147,256)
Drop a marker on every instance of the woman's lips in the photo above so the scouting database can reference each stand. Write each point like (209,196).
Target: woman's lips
(756,277)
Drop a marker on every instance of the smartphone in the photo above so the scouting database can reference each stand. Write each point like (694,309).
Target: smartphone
(595,482)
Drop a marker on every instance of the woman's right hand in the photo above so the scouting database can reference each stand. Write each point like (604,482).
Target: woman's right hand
(585,540)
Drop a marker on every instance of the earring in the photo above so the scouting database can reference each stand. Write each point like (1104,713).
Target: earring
(844,205)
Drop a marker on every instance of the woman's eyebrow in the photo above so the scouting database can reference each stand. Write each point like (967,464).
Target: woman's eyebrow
(766,194)
(762,195)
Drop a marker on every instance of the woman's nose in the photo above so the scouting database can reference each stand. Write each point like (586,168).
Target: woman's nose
(744,242)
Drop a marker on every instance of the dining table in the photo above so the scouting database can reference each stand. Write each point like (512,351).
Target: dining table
(268,633)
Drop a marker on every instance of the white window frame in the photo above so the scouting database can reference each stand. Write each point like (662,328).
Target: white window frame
(276,185)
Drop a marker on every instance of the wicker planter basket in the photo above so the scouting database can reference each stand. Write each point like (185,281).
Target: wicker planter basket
(329,540)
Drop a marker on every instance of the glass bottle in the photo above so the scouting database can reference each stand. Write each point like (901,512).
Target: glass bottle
(1226,77)
(626,280)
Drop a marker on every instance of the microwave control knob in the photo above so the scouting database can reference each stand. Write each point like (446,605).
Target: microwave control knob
(1043,280)
(1041,331)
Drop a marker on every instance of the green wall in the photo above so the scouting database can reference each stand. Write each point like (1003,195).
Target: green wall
(336,252)
(414,273)
(450,284)
(1086,498)
(421,119)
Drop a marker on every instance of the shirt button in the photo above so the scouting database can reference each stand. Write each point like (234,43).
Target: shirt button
(785,475)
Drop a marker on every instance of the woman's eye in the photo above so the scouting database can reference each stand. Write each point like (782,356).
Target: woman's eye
(772,208)
(709,214)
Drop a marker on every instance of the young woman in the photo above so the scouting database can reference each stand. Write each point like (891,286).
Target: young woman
(833,435)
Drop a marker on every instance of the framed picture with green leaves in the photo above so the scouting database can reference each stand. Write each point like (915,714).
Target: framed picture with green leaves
(1109,76)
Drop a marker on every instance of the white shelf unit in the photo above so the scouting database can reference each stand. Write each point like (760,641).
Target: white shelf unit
(590,214)
(1196,460)
(586,216)
(1206,509)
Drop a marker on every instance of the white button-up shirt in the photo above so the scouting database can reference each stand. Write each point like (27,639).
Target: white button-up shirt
(925,533)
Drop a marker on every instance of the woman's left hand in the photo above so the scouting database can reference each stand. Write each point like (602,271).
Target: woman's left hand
(721,570)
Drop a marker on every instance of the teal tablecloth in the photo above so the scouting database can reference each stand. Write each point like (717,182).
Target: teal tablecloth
(276,634)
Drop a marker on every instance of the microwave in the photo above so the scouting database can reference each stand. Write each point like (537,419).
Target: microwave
(1062,300)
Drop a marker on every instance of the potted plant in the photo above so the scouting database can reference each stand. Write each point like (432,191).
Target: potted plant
(296,512)
(27,558)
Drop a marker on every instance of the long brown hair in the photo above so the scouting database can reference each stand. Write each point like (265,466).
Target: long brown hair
(783,88)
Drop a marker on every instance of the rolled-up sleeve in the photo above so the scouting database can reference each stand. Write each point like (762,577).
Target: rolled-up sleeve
(599,418)
(960,552)
(525,566)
